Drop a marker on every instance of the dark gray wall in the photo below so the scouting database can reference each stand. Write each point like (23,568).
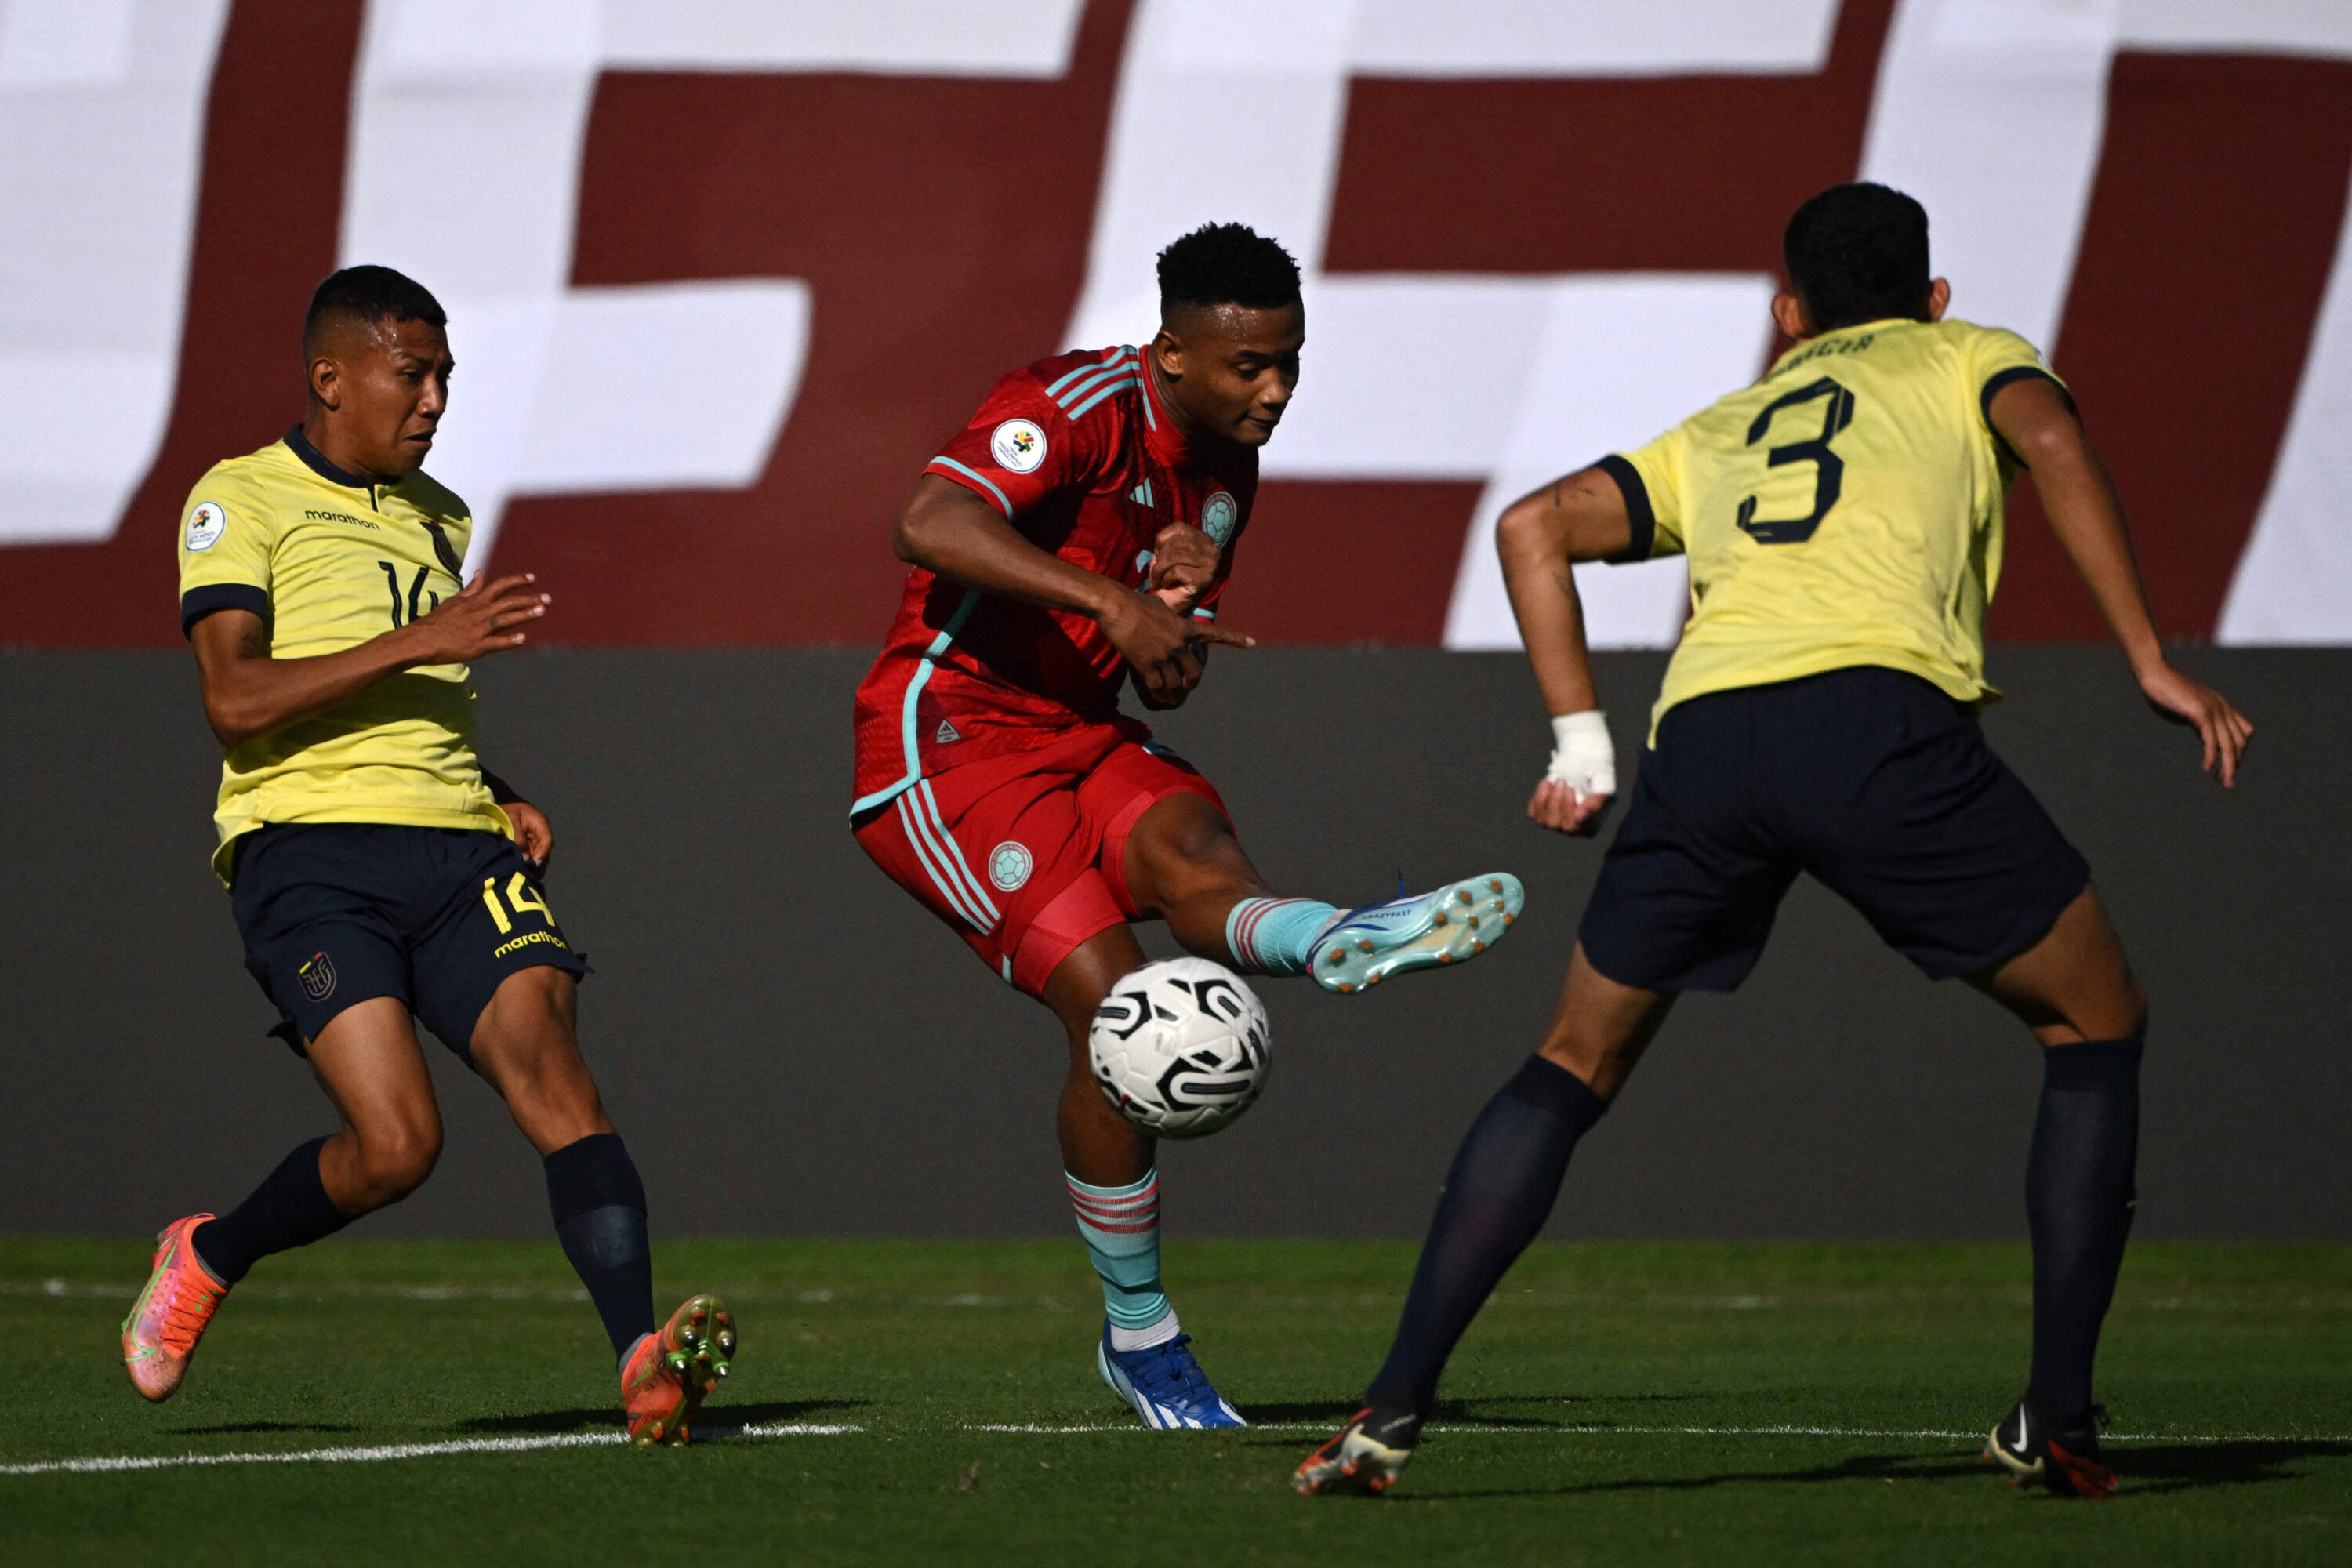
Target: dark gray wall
(793,1048)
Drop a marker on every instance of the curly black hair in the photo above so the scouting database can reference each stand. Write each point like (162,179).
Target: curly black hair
(1228,264)
(368,295)
(1858,253)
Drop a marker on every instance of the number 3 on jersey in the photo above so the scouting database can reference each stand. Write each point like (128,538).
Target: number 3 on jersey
(1829,469)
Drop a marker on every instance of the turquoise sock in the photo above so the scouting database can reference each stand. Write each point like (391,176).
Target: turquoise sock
(1276,936)
(1120,1226)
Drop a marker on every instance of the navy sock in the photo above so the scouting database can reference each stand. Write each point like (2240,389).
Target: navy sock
(1502,1186)
(599,1204)
(2078,1203)
(290,1209)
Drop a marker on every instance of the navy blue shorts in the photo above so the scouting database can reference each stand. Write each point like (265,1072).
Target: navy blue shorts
(1873,781)
(337,913)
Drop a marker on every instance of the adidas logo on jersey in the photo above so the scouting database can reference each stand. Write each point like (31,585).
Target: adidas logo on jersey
(946,735)
(1141,494)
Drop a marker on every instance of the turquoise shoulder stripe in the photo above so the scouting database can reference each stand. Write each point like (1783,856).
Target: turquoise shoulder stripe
(1088,369)
(1105,390)
(1079,388)
(1003,505)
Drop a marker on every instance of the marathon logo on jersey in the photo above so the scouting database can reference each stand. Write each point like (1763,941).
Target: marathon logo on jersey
(1218,515)
(1018,446)
(318,977)
(1009,865)
(206,525)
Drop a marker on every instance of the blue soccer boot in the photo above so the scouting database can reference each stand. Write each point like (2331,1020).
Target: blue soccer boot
(1460,921)
(1165,1384)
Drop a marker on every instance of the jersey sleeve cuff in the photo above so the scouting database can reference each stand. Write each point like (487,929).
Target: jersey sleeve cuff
(1638,512)
(2016,373)
(199,602)
(979,484)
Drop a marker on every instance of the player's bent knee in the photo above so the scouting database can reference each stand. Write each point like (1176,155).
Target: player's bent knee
(1181,843)
(394,1161)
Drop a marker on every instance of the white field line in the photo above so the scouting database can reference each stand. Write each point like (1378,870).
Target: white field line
(1074,1429)
(379,1453)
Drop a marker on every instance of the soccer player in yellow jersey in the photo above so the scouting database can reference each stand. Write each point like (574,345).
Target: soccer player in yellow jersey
(1842,522)
(376,868)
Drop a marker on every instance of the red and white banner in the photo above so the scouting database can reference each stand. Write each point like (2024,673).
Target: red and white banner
(721,274)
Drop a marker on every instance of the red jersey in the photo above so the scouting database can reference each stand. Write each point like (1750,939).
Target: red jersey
(1078,453)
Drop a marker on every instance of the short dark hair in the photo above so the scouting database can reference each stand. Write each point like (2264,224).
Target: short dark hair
(367,295)
(1228,264)
(1858,253)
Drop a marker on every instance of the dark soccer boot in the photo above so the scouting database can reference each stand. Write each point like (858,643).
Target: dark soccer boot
(1367,1455)
(2034,1450)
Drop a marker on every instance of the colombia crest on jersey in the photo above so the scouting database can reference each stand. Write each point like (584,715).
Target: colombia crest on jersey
(1078,453)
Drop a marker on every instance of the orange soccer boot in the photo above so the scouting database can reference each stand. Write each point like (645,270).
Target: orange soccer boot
(666,1375)
(158,1337)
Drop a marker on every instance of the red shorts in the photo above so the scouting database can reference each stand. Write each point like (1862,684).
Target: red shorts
(1025,855)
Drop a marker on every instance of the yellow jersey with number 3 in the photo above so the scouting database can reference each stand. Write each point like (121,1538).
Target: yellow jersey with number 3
(328,560)
(1846,510)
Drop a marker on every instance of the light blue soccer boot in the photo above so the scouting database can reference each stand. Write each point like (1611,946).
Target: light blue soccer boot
(1365,946)
(1165,1384)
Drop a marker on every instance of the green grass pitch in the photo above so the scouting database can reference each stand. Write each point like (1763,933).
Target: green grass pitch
(901,1402)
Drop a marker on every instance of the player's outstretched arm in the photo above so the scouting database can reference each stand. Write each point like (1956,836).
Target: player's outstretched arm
(949,529)
(1540,537)
(247,692)
(2038,424)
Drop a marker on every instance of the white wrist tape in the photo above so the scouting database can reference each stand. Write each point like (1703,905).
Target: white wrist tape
(1581,756)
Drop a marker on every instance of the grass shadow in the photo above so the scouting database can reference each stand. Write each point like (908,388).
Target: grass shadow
(232,1428)
(2145,1469)
(1480,1411)
(716,1419)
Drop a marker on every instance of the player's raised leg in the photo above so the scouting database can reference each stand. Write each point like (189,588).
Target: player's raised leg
(367,1059)
(2076,990)
(1144,1355)
(526,1047)
(1183,863)
(1498,1192)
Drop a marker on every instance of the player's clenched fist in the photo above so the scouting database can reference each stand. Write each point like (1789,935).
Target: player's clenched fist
(1164,650)
(485,617)
(1184,563)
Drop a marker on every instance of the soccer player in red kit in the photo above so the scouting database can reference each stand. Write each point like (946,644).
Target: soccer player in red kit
(1078,536)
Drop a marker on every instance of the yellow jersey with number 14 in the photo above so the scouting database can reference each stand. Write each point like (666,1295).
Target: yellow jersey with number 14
(328,560)
(1846,510)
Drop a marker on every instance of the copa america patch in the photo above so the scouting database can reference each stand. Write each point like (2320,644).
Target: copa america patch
(205,524)
(1009,865)
(318,977)
(1018,446)
(1218,515)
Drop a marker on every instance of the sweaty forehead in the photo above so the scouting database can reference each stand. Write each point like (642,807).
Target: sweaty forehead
(1231,328)
(357,336)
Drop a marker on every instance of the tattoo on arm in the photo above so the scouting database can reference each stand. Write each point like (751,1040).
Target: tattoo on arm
(255,643)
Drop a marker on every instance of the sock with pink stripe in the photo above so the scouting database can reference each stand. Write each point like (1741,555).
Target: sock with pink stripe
(1276,936)
(1120,1226)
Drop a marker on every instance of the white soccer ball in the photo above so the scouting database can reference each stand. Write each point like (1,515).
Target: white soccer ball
(1180,1047)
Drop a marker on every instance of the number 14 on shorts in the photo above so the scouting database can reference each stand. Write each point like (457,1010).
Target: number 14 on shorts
(521,895)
